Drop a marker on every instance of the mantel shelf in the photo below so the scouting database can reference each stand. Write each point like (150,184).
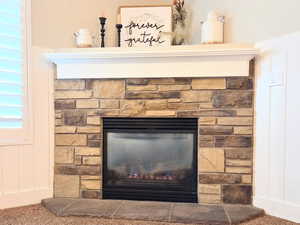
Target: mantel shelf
(224,60)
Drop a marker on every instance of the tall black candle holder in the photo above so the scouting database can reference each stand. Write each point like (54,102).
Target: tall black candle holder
(119,28)
(102,30)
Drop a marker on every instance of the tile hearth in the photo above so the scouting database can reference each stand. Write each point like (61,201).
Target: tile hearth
(153,211)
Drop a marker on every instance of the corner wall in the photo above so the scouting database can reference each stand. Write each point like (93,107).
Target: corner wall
(277,180)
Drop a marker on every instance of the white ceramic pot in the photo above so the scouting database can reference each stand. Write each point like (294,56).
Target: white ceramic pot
(83,38)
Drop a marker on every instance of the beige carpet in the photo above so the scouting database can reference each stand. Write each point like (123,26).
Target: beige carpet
(37,215)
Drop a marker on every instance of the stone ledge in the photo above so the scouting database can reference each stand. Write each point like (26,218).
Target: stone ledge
(153,211)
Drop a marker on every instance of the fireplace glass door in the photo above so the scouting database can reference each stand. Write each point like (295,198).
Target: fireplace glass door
(153,160)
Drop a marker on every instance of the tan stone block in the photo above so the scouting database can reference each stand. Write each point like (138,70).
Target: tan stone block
(245,112)
(95,120)
(209,199)
(91,160)
(90,177)
(246,179)
(88,130)
(69,84)
(210,189)
(243,130)
(109,104)
(59,122)
(174,87)
(109,88)
(91,184)
(65,130)
(183,106)
(207,120)
(237,162)
(235,121)
(71,139)
(209,83)
(142,88)
(156,104)
(73,94)
(206,105)
(58,115)
(88,151)
(66,186)
(132,107)
(238,170)
(173,100)
(64,155)
(87,104)
(211,160)
(78,159)
(196,96)
(160,113)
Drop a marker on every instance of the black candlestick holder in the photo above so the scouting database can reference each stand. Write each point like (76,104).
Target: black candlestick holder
(119,28)
(102,30)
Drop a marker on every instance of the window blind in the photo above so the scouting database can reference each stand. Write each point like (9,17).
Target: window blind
(11,64)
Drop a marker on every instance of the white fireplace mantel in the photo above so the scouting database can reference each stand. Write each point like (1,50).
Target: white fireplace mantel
(223,60)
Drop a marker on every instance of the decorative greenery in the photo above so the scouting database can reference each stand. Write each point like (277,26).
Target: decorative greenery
(179,22)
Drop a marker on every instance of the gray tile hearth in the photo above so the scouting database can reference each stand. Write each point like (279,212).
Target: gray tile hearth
(153,211)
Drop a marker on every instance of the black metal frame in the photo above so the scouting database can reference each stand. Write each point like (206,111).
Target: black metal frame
(151,125)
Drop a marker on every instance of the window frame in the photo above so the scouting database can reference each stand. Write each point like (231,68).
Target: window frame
(23,136)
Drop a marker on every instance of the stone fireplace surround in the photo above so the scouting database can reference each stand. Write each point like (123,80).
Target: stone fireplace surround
(224,107)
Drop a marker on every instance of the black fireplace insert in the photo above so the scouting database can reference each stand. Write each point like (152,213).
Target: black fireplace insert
(150,159)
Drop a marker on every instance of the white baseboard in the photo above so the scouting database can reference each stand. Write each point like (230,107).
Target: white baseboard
(277,208)
(24,198)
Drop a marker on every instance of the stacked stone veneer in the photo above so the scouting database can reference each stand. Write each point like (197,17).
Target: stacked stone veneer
(224,107)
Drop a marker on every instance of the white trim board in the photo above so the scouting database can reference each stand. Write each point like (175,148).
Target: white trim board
(224,60)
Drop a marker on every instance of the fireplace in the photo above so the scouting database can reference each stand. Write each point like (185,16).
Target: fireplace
(150,159)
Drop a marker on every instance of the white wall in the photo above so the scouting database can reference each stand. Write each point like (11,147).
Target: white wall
(26,171)
(277,167)
(250,21)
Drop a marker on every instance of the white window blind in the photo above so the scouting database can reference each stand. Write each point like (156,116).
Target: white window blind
(12,60)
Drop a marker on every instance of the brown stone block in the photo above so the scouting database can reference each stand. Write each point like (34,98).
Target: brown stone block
(196,96)
(71,139)
(174,87)
(94,160)
(86,130)
(114,89)
(206,113)
(245,112)
(238,153)
(243,130)
(91,184)
(216,130)
(183,106)
(238,162)
(237,194)
(78,170)
(88,194)
(109,104)
(141,87)
(94,136)
(132,107)
(241,83)
(209,199)
(170,81)
(236,121)
(209,83)
(104,112)
(94,143)
(160,104)
(152,95)
(233,141)
(75,118)
(65,104)
(220,178)
(206,141)
(69,84)
(246,179)
(137,81)
(236,99)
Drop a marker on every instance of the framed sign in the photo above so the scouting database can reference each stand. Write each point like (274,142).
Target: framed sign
(146,26)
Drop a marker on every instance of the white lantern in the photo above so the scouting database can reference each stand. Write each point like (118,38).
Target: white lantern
(213,29)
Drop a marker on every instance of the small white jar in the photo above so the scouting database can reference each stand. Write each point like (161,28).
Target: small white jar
(83,38)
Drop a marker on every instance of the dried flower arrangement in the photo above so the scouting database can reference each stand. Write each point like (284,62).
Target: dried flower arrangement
(180,25)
